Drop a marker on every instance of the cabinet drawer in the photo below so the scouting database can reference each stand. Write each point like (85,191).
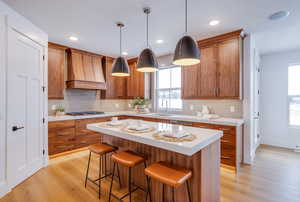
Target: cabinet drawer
(61,124)
(86,140)
(83,131)
(228,139)
(225,129)
(64,132)
(61,144)
(228,154)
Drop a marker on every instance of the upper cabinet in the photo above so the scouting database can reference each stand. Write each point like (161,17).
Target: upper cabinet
(115,86)
(85,70)
(123,87)
(135,82)
(56,64)
(218,76)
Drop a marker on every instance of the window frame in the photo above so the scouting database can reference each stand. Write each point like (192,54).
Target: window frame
(290,99)
(157,90)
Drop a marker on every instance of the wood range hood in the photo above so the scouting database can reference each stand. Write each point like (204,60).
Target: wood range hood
(85,70)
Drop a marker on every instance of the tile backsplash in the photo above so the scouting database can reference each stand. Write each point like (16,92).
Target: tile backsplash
(83,100)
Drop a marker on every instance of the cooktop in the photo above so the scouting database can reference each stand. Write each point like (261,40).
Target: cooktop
(84,113)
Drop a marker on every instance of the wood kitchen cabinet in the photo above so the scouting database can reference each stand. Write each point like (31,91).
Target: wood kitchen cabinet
(116,87)
(135,82)
(229,69)
(64,136)
(56,68)
(85,70)
(218,76)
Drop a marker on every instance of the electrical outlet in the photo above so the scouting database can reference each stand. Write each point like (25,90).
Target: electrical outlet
(232,109)
(192,107)
(53,107)
(117,105)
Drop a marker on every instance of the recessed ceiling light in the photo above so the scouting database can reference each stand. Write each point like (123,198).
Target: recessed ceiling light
(73,38)
(159,41)
(279,15)
(124,53)
(214,22)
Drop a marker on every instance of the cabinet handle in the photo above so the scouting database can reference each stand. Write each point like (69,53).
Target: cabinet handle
(215,92)
(225,141)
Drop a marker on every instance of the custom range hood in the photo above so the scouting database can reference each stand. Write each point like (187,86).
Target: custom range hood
(85,70)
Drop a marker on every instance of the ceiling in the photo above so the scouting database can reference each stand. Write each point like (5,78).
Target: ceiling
(93,22)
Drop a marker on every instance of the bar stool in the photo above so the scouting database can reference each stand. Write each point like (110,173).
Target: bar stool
(100,149)
(129,160)
(169,175)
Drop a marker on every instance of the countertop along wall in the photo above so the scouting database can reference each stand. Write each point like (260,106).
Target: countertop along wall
(274,100)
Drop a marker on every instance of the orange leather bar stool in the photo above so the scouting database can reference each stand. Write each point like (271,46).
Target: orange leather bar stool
(100,149)
(169,175)
(129,160)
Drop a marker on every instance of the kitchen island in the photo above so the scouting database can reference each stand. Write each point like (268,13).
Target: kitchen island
(201,156)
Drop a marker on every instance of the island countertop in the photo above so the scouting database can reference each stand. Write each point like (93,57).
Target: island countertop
(204,137)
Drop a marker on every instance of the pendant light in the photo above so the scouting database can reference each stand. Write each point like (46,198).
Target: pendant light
(186,52)
(120,65)
(147,61)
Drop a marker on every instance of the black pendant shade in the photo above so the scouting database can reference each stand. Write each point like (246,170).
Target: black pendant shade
(120,67)
(147,61)
(186,52)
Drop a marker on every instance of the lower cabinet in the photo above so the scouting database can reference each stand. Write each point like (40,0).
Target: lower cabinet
(72,134)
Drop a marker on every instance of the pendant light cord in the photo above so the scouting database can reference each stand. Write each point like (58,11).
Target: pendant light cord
(147,30)
(186,16)
(120,40)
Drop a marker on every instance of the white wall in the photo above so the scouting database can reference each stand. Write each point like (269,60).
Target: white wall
(274,103)
(9,17)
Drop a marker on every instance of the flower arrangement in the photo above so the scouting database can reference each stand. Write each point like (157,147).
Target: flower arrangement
(139,104)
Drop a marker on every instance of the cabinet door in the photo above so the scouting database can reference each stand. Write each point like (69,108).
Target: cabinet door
(56,64)
(229,69)
(116,86)
(189,81)
(208,73)
(135,82)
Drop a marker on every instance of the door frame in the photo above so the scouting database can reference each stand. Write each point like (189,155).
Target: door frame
(21,25)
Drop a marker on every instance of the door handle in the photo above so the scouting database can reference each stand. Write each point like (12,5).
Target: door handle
(15,128)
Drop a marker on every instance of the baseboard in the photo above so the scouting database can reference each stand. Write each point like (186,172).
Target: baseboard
(4,189)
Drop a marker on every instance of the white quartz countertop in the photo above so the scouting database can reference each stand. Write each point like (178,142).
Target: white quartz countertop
(204,137)
(188,118)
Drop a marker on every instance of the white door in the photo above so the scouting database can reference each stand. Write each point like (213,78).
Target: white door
(24,107)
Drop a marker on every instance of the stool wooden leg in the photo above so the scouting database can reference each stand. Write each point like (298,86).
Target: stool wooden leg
(100,171)
(111,184)
(129,184)
(163,191)
(87,170)
(188,190)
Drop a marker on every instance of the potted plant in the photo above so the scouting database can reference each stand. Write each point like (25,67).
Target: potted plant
(60,111)
(139,105)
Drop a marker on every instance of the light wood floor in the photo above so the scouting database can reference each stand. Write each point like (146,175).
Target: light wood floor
(274,177)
